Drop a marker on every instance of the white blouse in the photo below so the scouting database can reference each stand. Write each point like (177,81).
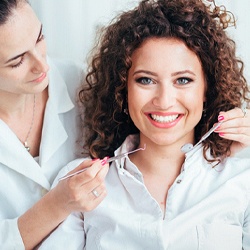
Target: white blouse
(207,208)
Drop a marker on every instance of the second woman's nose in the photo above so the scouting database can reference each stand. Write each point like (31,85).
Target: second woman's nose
(39,64)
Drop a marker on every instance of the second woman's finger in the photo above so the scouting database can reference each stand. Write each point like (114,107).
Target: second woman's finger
(233,113)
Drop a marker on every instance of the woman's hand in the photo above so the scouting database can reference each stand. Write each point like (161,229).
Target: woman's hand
(83,191)
(72,194)
(236,127)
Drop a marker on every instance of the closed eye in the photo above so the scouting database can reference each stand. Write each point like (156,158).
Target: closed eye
(18,64)
(144,80)
(40,38)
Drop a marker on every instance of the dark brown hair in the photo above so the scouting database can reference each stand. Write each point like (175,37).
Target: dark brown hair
(201,27)
(7,7)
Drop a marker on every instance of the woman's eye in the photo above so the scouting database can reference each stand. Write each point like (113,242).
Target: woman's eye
(17,64)
(183,81)
(144,80)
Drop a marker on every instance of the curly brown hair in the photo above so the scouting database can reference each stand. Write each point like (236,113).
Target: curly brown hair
(201,27)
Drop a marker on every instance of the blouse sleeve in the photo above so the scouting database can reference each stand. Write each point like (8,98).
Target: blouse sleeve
(246,226)
(69,233)
(10,237)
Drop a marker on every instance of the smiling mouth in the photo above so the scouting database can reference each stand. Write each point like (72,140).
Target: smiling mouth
(164,119)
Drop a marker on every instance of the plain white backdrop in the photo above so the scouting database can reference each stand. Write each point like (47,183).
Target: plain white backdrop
(70,26)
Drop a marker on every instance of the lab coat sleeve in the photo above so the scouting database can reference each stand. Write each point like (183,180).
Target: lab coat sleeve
(246,226)
(10,237)
(69,234)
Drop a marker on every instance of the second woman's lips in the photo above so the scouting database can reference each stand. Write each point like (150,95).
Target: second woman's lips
(40,78)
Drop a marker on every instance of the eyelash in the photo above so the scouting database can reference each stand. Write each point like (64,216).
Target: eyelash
(141,79)
(18,64)
(188,80)
(21,62)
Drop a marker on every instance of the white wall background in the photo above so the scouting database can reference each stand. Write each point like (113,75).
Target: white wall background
(69,25)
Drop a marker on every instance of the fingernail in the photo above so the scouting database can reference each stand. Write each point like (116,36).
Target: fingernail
(104,161)
(221,134)
(220,118)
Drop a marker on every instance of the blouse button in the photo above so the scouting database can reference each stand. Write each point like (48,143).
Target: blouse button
(178,181)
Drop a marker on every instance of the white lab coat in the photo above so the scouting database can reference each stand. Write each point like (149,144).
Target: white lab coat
(24,180)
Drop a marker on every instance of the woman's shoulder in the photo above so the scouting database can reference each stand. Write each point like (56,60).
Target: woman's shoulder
(238,162)
(230,168)
(236,169)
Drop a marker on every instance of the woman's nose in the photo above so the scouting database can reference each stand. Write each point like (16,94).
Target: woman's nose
(165,97)
(39,64)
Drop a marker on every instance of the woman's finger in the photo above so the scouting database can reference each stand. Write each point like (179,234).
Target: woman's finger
(233,113)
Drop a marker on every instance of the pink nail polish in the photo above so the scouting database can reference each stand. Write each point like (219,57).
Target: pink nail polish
(221,134)
(220,118)
(104,161)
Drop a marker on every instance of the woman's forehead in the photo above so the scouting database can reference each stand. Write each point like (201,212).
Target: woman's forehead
(19,33)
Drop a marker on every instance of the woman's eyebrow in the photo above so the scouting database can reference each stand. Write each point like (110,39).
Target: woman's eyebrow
(145,72)
(41,29)
(15,57)
(20,55)
(183,72)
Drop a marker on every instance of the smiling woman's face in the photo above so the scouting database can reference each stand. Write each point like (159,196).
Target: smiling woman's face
(23,66)
(166,91)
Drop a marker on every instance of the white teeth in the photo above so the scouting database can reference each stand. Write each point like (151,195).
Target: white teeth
(163,119)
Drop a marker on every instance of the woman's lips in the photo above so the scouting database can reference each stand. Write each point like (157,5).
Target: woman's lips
(40,78)
(164,120)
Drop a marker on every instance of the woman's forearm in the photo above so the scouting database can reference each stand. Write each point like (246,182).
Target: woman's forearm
(35,224)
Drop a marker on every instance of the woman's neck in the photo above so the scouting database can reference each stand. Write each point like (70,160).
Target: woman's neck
(160,166)
(13,104)
(24,116)
(158,159)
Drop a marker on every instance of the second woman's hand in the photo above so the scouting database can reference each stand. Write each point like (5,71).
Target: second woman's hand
(235,127)
(82,192)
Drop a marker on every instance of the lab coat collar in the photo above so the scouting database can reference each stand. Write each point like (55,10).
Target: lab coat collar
(58,92)
(54,134)
(13,152)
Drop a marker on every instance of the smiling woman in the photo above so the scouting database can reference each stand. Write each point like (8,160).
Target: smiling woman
(162,75)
